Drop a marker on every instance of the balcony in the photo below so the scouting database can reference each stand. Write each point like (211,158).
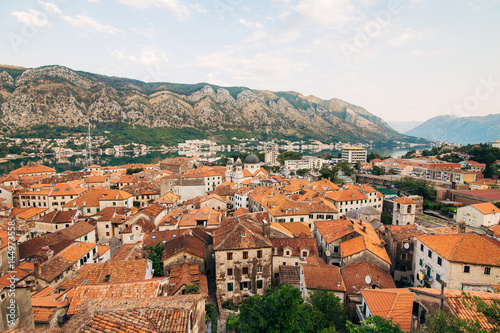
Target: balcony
(359,312)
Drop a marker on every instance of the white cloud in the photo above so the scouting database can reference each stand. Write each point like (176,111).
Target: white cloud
(328,12)
(256,68)
(32,17)
(148,56)
(88,23)
(51,7)
(251,25)
(81,21)
(174,6)
(199,8)
(94,1)
(410,35)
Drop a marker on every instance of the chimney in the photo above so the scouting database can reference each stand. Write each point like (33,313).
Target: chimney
(461,227)
(266,228)
(37,270)
(47,252)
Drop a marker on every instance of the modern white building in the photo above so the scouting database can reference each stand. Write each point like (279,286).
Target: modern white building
(354,154)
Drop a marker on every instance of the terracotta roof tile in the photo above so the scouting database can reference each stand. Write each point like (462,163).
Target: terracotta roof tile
(405,200)
(346,195)
(394,304)
(186,275)
(360,244)
(297,245)
(487,208)
(354,277)
(131,290)
(240,233)
(184,243)
(334,229)
(325,276)
(118,271)
(464,248)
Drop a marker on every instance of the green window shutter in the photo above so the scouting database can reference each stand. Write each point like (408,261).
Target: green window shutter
(230,286)
(259,284)
(241,285)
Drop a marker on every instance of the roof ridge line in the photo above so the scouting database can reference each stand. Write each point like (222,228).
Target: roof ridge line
(456,246)
(393,305)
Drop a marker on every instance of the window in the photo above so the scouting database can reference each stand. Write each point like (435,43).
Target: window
(438,277)
(421,262)
(487,270)
(429,254)
(287,253)
(245,270)
(230,286)
(466,269)
(259,269)
(304,254)
(259,253)
(245,254)
(422,247)
(245,285)
(229,272)
(230,256)
(259,284)
(440,261)
(88,210)
(403,256)
(336,249)
(107,226)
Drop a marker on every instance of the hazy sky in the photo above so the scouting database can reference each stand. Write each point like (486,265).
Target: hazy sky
(401,60)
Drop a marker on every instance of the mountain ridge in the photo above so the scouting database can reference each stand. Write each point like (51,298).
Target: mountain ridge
(57,95)
(463,130)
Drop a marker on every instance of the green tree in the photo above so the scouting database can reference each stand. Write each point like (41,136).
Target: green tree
(416,186)
(332,312)
(192,289)
(155,256)
(282,309)
(302,172)
(346,168)
(386,218)
(491,310)
(441,322)
(211,314)
(378,171)
(374,324)
(329,173)
(131,171)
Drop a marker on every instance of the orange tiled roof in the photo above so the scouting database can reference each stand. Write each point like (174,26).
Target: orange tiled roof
(118,271)
(26,213)
(464,248)
(487,208)
(394,304)
(461,306)
(325,276)
(67,189)
(241,211)
(169,198)
(186,275)
(293,228)
(405,200)
(361,243)
(130,290)
(346,195)
(239,233)
(334,229)
(355,277)
(33,168)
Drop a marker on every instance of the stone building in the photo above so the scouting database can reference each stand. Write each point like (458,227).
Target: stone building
(243,259)
(404,211)
(456,260)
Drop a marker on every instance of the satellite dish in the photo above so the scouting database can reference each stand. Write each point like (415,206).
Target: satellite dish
(368,279)
(327,253)
(407,246)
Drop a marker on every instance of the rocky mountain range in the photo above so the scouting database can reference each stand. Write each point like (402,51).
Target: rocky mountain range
(462,130)
(57,95)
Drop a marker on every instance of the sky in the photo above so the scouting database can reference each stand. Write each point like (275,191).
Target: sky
(401,60)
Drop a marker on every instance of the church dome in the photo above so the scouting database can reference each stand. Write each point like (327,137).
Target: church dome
(252,159)
(238,162)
